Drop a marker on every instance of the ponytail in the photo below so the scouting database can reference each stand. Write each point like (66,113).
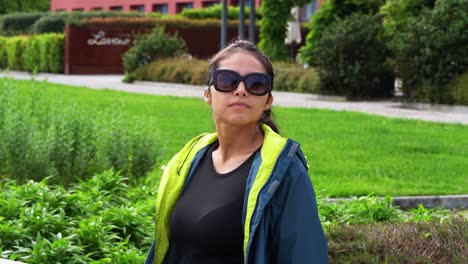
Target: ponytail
(267,120)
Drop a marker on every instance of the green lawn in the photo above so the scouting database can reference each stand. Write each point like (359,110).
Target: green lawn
(348,153)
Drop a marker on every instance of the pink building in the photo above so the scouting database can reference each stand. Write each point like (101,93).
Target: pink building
(161,6)
(143,6)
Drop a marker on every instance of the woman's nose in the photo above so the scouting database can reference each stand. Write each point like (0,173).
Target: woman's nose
(240,90)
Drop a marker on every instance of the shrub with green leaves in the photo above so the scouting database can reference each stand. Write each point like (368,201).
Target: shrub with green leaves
(3,53)
(101,220)
(273,28)
(42,136)
(397,14)
(152,46)
(18,23)
(15,49)
(214,11)
(352,59)
(329,12)
(105,219)
(55,22)
(433,51)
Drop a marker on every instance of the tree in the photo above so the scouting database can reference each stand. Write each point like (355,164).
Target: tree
(12,6)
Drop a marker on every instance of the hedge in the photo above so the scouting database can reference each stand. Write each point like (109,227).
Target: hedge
(42,53)
(215,12)
(15,49)
(3,54)
(19,23)
(167,21)
(288,77)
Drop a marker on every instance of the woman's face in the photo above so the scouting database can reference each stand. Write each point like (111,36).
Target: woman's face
(238,107)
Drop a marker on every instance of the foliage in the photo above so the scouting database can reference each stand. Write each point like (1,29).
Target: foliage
(42,136)
(55,22)
(106,220)
(44,53)
(329,12)
(3,53)
(9,6)
(166,21)
(39,53)
(413,242)
(154,45)
(18,23)
(14,49)
(433,51)
(215,11)
(288,76)
(101,220)
(352,60)
(397,14)
(273,28)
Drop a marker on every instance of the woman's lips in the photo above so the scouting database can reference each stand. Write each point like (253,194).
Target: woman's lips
(239,104)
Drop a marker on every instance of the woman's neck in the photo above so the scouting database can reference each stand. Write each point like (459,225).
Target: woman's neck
(237,141)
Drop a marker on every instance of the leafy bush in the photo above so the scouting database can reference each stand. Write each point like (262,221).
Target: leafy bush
(19,23)
(14,49)
(154,45)
(106,220)
(179,70)
(214,11)
(102,220)
(3,53)
(42,53)
(329,12)
(433,51)
(273,28)
(55,22)
(31,55)
(42,136)
(50,24)
(352,60)
(397,14)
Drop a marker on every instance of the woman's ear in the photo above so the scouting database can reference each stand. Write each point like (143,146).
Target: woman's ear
(269,102)
(207,95)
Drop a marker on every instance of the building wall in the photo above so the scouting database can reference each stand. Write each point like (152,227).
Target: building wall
(146,6)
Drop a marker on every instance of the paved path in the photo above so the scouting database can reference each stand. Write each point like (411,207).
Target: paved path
(286,99)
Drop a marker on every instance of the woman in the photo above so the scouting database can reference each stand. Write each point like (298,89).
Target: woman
(243,194)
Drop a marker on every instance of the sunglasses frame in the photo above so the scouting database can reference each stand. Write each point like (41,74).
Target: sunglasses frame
(240,78)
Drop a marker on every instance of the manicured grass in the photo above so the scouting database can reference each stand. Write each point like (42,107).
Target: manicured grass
(349,153)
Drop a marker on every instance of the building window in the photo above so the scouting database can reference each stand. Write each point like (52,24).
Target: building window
(96,8)
(138,8)
(60,10)
(161,8)
(307,11)
(116,8)
(182,6)
(77,9)
(209,3)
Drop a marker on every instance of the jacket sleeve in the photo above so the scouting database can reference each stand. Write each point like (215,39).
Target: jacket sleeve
(297,235)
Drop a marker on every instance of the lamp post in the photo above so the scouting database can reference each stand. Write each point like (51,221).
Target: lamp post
(241,19)
(224,24)
(252,21)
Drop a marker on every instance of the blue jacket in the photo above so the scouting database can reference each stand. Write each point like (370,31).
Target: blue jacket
(280,217)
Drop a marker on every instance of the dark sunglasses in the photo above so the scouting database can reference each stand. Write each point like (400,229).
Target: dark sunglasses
(227,81)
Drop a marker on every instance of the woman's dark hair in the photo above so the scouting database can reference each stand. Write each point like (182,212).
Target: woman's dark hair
(248,46)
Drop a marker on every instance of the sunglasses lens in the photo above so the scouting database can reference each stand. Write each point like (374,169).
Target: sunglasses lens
(226,81)
(257,84)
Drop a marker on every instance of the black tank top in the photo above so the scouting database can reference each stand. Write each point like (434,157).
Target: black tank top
(206,223)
